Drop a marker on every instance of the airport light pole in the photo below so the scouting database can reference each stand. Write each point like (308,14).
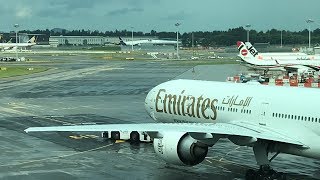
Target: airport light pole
(281,38)
(16,26)
(131,38)
(309,21)
(177,25)
(248,30)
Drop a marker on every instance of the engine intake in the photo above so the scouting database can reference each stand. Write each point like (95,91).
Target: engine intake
(180,149)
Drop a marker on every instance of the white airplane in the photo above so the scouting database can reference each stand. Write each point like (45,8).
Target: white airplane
(282,55)
(192,115)
(7,46)
(147,41)
(249,56)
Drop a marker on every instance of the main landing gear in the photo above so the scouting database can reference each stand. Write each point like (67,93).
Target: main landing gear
(265,172)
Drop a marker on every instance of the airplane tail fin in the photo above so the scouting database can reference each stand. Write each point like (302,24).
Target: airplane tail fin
(243,51)
(32,40)
(247,55)
(122,42)
(251,49)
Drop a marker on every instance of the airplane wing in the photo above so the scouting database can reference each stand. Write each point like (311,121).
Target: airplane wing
(235,129)
(295,67)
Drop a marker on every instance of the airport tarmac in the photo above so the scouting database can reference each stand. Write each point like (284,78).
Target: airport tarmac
(82,90)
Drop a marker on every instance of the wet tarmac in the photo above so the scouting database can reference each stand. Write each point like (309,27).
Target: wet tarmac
(83,90)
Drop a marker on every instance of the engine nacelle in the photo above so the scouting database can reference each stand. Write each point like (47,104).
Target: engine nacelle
(180,149)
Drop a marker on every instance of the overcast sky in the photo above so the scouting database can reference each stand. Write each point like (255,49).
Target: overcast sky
(160,15)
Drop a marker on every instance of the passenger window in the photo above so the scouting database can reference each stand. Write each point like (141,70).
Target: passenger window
(312,119)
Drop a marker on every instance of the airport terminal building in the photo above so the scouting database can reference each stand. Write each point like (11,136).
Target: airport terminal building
(55,41)
(76,40)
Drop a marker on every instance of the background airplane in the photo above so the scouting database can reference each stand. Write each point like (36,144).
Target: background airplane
(7,46)
(249,57)
(147,41)
(282,55)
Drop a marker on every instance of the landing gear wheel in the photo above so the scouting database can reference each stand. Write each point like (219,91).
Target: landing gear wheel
(251,175)
(264,173)
(105,135)
(134,137)
(115,135)
(281,176)
(261,151)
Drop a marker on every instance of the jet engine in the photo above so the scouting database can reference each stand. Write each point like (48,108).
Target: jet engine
(180,149)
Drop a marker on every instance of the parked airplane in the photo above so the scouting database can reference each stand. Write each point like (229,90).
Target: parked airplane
(249,56)
(282,55)
(193,115)
(7,46)
(147,41)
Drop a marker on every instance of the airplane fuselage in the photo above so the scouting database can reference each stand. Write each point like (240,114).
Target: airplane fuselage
(3,45)
(289,113)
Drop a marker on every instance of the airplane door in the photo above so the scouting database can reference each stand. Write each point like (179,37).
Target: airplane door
(264,114)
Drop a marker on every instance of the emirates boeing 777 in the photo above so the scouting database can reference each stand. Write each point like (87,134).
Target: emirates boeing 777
(192,115)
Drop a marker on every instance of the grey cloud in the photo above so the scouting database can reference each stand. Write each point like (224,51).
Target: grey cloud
(54,13)
(71,5)
(177,16)
(124,11)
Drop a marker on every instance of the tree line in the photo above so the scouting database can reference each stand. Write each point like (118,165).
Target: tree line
(198,38)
